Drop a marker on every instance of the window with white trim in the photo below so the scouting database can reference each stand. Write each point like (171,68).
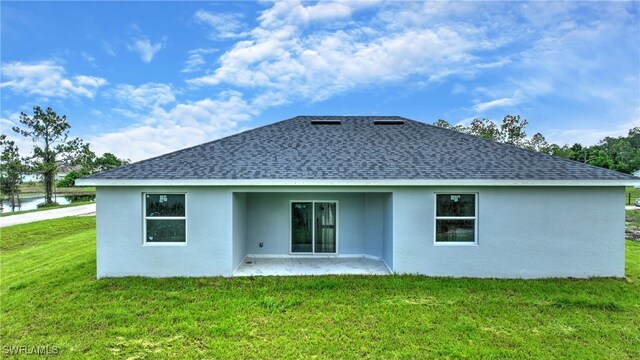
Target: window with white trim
(165,219)
(456,216)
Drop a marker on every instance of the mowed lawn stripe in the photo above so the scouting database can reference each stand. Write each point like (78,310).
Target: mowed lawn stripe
(40,232)
(50,297)
(48,259)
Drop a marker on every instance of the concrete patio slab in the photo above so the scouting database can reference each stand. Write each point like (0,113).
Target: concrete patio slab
(293,266)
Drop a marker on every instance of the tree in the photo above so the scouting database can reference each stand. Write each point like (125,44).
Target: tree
(485,129)
(87,163)
(52,147)
(85,159)
(538,143)
(600,158)
(11,170)
(108,161)
(444,124)
(579,153)
(619,154)
(634,137)
(622,153)
(560,151)
(512,130)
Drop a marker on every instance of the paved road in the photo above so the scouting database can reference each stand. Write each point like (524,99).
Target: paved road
(631,207)
(47,214)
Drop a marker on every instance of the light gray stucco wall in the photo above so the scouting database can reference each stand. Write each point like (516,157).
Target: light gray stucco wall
(359,222)
(387,230)
(373,224)
(522,232)
(239,228)
(120,249)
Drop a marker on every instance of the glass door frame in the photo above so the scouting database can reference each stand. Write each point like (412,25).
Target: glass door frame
(313,227)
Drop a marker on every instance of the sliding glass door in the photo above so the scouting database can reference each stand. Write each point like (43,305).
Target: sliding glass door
(313,227)
(325,227)
(302,227)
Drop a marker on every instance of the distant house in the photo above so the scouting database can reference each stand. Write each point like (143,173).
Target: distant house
(38,177)
(419,198)
(637,174)
(30,178)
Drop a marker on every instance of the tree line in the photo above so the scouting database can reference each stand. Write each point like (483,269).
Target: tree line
(616,153)
(52,150)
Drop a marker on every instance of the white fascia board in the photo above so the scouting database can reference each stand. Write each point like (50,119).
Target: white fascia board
(391,183)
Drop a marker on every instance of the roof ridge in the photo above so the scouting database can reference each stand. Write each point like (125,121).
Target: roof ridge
(349,116)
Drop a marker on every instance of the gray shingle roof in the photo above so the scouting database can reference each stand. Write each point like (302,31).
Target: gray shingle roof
(356,150)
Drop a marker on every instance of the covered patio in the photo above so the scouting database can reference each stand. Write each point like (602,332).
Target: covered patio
(289,266)
(312,233)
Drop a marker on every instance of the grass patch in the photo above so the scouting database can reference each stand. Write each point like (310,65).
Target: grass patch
(41,232)
(47,208)
(50,297)
(586,303)
(630,195)
(31,188)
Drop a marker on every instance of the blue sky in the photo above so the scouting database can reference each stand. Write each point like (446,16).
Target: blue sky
(141,79)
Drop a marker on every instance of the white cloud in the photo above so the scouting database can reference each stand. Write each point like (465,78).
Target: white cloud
(286,13)
(458,89)
(184,125)
(88,58)
(146,95)
(196,59)
(576,56)
(269,99)
(145,48)
(128,113)
(224,25)
(280,58)
(24,144)
(46,78)
(89,82)
(589,136)
(503,102)
(108,48)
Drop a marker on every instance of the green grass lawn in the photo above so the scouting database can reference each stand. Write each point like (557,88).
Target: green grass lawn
(50,297)
(635,194)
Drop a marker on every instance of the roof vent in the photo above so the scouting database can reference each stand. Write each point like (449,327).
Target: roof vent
(326,122)
(388,122)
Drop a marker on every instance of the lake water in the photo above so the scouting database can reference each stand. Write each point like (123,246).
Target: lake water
(31,203)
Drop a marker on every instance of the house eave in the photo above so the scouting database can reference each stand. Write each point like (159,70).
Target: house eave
(341,182)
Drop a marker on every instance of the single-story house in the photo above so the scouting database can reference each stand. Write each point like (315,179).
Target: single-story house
(418,198)
(637,174)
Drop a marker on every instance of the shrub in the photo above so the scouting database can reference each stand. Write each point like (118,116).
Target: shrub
(44,205)
(70,179)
